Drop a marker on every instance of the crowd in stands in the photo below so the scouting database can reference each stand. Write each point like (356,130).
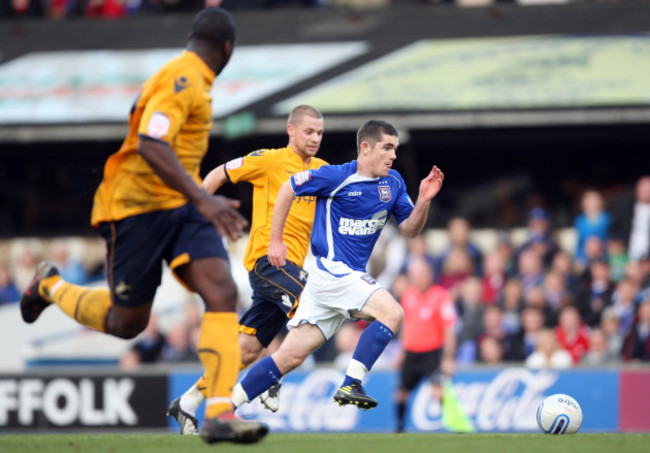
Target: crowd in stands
(115,9)
(535,303)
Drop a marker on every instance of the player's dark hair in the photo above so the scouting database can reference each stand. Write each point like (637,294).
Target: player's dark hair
(298,113)
(215,26)
(372,130)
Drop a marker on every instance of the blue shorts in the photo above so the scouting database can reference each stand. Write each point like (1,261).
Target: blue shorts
(275,299)
(136,246)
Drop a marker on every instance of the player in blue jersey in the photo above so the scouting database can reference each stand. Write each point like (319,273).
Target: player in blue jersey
(354,202)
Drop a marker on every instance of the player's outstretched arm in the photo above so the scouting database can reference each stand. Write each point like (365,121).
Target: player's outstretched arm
(221,211)
(429,188)
(215,179)
(277,254)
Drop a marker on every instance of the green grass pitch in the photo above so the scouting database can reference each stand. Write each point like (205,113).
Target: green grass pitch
(330,443)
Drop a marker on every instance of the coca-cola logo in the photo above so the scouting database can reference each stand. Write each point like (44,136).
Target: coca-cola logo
(506,403)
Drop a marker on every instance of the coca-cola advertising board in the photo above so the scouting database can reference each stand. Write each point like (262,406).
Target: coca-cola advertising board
(495,400)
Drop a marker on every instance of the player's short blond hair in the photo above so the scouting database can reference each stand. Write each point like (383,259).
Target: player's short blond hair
(297,114)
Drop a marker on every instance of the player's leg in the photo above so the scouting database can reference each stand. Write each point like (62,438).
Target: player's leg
(274,302)
(199,259)
(275,299)
(386,316)
(134,250)
(416,366)
(301,341)
(184,408)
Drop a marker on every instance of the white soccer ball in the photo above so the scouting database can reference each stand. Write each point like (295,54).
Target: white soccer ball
(559,414)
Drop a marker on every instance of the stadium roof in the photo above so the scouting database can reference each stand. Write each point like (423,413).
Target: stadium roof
(421,66)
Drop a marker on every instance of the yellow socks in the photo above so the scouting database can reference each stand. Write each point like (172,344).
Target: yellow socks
(202,384)
(87,306)
(219,353)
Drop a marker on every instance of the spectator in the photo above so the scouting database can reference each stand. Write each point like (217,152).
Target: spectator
(530,269)
(459,229)
(624,300)
(555,290)
(617,256)
(490,351)
(595,250)
(71,269)
(539,236)
(494,276)
(572,334)
(178,346)
(631,221)
(595,293)
(636,345)
(22,8)
(511,301)
(26,266)
(599,353)
(563,264)
(8,290)
(470,307)
(494,329)
(532,322)
(149,345)
(417,248)
(507,250)
(105,8)
(593,221)
(548,353)
(456,268)
(610,324)
(536,299)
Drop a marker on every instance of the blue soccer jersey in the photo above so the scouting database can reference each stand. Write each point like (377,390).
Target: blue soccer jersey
(351,210)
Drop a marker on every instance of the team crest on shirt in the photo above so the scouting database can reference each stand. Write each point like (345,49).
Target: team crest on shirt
(300,178)
(235,163)
(384,193)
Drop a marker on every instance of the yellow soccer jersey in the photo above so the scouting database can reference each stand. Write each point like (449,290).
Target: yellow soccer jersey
(175,107)
(267,170)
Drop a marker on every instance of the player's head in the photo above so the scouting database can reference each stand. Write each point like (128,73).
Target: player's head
(377,142)
(215,29)
(305,127)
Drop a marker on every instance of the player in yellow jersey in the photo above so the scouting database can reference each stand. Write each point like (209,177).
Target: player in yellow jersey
(151,207)
(275,290)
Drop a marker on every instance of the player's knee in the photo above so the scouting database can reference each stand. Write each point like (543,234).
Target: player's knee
(223,297)
(289,361)
(248,355)
(392,316)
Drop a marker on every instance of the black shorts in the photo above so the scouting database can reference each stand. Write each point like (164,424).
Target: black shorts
(137,245)
(275,299)
(419,365)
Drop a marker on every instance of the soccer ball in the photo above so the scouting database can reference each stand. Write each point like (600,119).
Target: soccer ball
(559,414)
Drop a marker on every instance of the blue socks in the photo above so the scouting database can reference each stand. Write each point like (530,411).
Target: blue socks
(372,343)
(261,377)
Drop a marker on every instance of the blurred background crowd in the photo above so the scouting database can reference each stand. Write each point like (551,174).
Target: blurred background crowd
(543,299)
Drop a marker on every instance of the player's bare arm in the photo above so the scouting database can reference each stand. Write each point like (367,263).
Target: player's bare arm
(215,179)
(277,248)
(221,211)
(429,188)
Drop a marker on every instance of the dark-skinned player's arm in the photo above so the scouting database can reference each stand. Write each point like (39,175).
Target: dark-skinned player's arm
(219,210)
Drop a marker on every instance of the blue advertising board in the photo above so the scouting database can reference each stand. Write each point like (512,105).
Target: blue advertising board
(495,400)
